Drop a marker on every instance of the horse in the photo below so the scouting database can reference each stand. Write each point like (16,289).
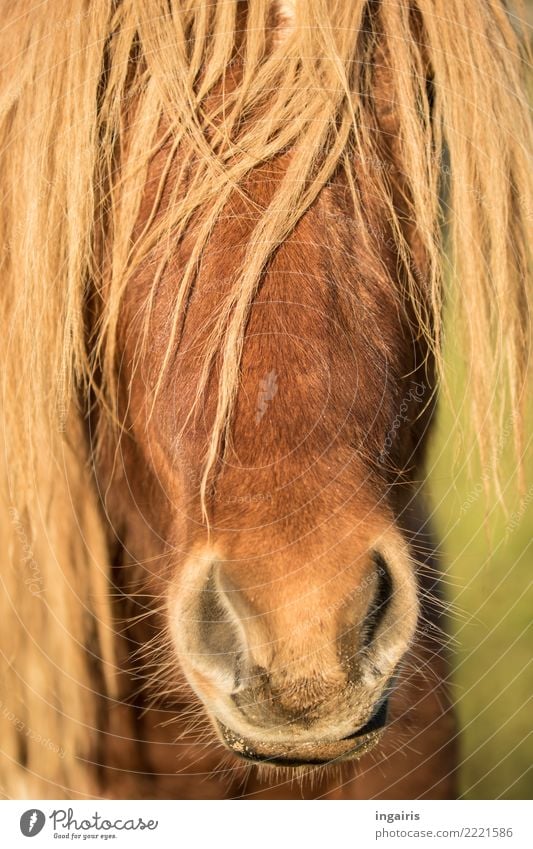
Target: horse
(230,232)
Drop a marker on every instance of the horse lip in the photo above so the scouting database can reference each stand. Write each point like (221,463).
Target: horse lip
(254,757)
(376,722)
(369,734)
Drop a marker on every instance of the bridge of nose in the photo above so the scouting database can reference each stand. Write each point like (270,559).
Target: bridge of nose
(293,630)
(301,673)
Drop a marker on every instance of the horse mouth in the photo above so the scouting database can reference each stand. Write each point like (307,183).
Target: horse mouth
(351,747)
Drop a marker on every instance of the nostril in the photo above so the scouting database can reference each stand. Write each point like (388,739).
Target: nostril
(217,637)
(380,602)
(364,616)
(219,644)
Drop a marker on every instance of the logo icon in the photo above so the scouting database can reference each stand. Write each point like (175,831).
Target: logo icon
(32,822)
(268,388)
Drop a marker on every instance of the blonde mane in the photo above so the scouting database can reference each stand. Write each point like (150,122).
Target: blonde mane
(90,92)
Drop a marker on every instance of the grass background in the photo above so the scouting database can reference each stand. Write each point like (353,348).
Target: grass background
(487,559)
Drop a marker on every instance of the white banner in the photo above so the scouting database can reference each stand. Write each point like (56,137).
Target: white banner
(266,825)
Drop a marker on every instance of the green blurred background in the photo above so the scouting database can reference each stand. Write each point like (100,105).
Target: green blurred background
(487,559)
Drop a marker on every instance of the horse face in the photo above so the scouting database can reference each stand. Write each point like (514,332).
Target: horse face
(290,613)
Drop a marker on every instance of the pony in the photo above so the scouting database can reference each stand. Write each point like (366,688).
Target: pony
(229,234)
